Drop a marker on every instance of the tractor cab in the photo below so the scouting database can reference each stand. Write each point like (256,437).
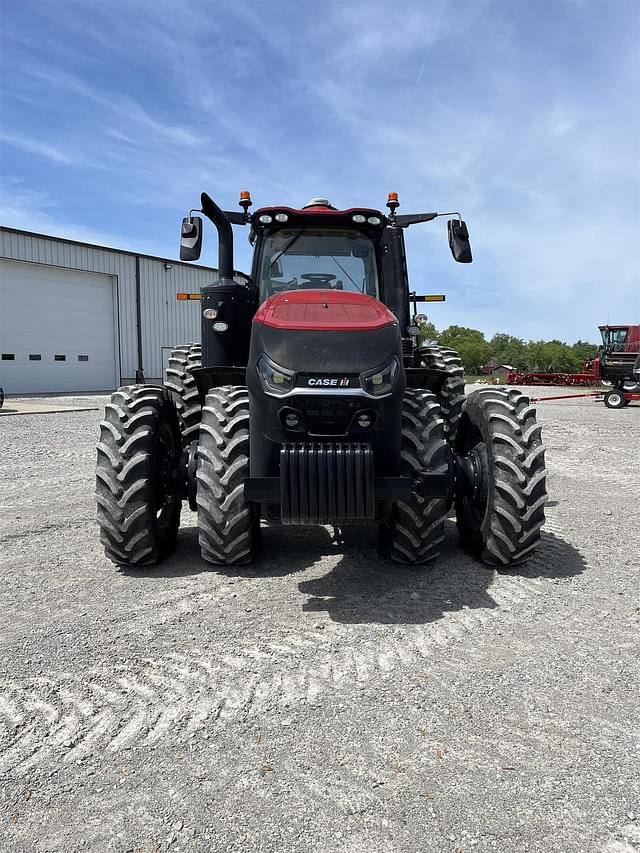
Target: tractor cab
(619,355)
(316,248)
(313,248)
(620,338)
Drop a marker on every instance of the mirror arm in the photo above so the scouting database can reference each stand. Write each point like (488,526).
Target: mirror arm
(404,220)
(236,218)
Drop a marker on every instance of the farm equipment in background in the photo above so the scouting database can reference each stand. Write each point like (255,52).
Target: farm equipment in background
(310,401)
(612,399)
(518,377)
(617,363)
(618,359)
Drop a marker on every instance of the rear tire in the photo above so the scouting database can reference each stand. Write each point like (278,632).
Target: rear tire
(451,396)
(615,399)
(138,512)
(229,525)
(498,437)
(415,529)
(183,389)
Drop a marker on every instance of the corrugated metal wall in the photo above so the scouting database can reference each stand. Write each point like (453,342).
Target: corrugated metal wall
(165,321)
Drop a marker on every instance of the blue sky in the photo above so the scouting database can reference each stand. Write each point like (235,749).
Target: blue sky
(523,114)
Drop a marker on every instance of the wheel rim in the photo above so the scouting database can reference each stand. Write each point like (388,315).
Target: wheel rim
(164,497)
(474,468)
(615,399)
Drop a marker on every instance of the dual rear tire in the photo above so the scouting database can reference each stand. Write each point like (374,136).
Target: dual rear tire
(137,491)
(500,489)
(450,393)
(183,389)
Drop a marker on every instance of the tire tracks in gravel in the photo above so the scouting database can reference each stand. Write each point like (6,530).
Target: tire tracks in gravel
(66,716)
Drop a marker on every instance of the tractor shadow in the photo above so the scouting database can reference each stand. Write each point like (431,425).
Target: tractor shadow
(283,551)
(358,586)
(364,588)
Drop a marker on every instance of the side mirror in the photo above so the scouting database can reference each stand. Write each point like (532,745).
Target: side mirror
(459,241)
(191,238)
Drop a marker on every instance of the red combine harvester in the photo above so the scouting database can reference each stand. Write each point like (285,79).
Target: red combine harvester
(617,363)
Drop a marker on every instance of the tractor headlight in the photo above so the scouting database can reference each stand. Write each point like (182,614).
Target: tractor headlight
(381,380)
(275,379)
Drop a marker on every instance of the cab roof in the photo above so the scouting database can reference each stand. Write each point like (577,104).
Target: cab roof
(317,214)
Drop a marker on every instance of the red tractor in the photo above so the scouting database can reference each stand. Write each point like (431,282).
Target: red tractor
(311,401)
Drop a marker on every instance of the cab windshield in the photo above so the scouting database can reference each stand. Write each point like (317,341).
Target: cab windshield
(614,339)
(318,258)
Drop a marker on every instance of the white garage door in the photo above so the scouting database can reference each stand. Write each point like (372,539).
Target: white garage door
(57,329)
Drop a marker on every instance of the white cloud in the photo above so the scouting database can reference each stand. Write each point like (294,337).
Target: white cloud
(33,146)
(30,210)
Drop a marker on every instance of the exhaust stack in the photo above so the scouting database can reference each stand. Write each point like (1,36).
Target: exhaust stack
(225,235)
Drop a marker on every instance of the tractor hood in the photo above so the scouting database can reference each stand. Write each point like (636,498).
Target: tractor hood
(325,331)
(324,311)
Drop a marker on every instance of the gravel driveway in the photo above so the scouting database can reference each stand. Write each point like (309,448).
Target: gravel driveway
(323,700)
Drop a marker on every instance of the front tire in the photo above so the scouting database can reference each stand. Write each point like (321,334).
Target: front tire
(501,488)
(228,525)
(414,530)
(138,510)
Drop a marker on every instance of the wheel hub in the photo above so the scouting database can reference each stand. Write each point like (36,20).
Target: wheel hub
(163,470)
(472,475)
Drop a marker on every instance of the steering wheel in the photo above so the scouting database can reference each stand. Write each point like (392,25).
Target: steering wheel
(317,279)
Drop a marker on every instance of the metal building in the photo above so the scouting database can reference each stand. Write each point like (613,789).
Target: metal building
(80,317)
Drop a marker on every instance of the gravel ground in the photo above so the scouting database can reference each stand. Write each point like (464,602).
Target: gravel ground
(324,700)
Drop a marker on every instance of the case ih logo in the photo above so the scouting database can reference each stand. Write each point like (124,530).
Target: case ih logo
(327,382)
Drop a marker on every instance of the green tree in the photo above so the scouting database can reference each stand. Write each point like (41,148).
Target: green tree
(506,349)
(469,343)
(583,350)
(428,332)
(535,356)
(551,357)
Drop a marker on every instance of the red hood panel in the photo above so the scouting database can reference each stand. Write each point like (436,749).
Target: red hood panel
(324,310)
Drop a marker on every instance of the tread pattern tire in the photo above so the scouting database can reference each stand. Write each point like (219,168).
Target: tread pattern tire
(183,389)
(507,530)
(451,396)
(139,428)
(415,530)
(228,525)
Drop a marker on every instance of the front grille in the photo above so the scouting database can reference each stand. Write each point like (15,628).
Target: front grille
(328,415)
(321,483)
